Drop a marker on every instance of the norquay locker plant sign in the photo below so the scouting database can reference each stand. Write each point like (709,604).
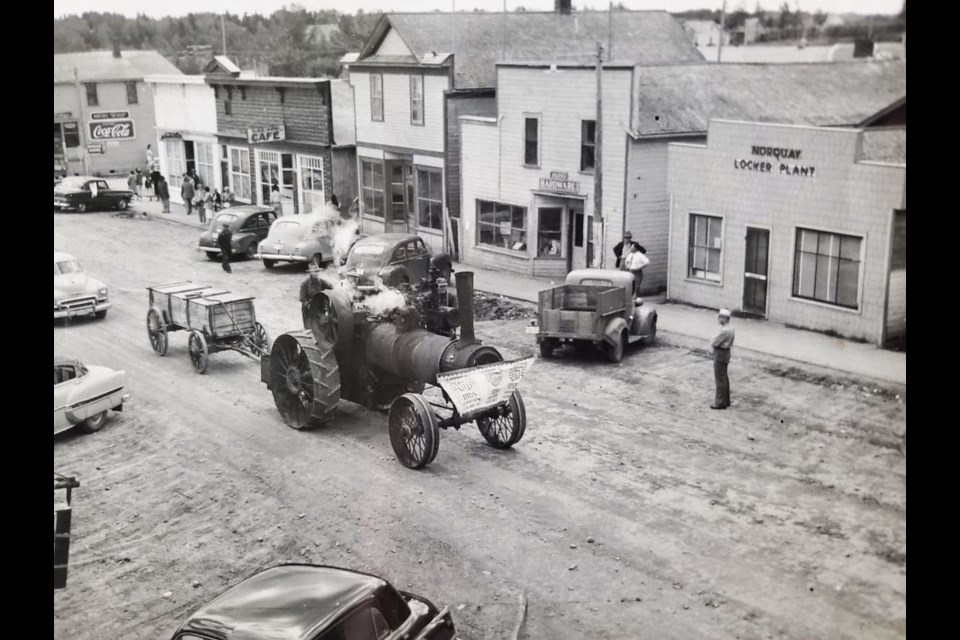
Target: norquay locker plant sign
(780,155)
(111,125)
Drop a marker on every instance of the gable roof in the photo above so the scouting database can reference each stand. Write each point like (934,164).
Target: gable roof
(479,40)
(885,144)
(681,99)
(102,66)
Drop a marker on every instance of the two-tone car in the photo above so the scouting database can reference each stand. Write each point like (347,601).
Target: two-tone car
(74,292)
(310,602)
(300,239)
(249,224)
(83,193)
(393,259)
(83,394)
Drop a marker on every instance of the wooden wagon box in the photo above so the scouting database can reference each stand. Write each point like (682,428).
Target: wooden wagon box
(218,313)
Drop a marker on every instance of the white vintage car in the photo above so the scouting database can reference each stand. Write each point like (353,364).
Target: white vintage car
(83,394)
(74,292)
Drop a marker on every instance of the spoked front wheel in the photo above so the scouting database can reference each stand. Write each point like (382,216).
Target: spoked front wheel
(505,431)
(157,331)
(199,355)
(414,433)
(260,338)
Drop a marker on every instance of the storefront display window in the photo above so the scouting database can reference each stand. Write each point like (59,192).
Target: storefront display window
(550,232)
(705,247)
(371,183)
(176,163)
(240,174)
(205,164)
(827,267)
(311,183)
(430,198)
(501,225)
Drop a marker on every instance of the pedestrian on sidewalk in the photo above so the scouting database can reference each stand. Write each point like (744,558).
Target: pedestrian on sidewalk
(634,260)
(275,201)
(164,190)
(204,204)
(618,248)
(139,189)
(132,181)
(721,358)
(225,242)
(188,193)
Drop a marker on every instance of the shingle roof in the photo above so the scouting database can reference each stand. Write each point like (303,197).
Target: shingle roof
(885,144)
(101,66)
(479,40)
(683,98)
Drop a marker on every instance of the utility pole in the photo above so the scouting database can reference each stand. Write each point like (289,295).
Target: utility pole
(597,162)
(723,18)
(610,31)
(223,33)
(81,125)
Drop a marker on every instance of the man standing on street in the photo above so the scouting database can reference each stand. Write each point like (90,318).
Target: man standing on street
(721,358)
(627,240)
(188,193)
(163,189)
(132,181)
(634,261)
(312,285)
(225,242)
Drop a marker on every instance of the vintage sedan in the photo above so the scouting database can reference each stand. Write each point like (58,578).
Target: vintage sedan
(395,259)
(299,239)
(89,194)
(249,224)
(83,394)
(74,292)
(309,602)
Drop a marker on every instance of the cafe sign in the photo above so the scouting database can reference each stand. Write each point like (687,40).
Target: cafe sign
(274,133)
(168,135)
(558,182)
(111,125)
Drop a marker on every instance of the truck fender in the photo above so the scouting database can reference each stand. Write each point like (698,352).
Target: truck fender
(644,318)
(611,332)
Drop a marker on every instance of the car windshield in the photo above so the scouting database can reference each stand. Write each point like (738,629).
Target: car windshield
(594,281)
(286,226)
(73,183)
(367,255)
(66,266)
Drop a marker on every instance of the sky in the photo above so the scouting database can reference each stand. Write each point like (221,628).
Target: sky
(265,7)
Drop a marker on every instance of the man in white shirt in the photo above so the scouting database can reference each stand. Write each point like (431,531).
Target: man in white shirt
(634,260)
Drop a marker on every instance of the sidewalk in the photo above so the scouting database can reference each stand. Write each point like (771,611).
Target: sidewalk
(756,335)
(154,208)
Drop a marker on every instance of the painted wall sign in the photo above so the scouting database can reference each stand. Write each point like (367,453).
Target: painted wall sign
(95,148)
(273,133)
(778,166)
(558,175)
(170,134)
(558,182)
(63,114)
(112,130)
(109,115)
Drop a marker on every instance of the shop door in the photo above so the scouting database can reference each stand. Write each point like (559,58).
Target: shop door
(400,194)
(755,271)
(275,168)
(576,239)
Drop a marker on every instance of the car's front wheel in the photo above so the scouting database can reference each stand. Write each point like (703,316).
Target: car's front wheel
(93,423)
(269,264)
(81,207)
(122,205)
(251,251)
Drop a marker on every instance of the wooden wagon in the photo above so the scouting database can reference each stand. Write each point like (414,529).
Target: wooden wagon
(217,320)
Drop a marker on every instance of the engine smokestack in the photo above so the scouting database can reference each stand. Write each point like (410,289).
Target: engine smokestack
(465,304)
(562,7)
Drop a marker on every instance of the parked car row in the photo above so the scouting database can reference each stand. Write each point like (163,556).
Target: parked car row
(84,193)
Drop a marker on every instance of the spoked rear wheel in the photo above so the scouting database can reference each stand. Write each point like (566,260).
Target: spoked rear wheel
(414,433)
(199,355)
(157,331)
(305,379)
(505,431)
(261,338)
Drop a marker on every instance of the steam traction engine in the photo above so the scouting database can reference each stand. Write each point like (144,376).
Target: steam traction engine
(376,358)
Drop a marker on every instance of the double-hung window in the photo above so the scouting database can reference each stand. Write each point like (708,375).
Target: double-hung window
(376,97)
(416,99)
(588,144)
(531,141)
(705,248)
(132,97)
(92,98)
(430,198)
(827,267)
(372,186)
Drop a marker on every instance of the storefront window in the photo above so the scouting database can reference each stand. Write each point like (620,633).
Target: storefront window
(550,232)
(827,267)
(430,198)
(176,163)
(705,247)
(311,183)
(371,183)
(71,135)
(205,164)
(240,174)
(501,225)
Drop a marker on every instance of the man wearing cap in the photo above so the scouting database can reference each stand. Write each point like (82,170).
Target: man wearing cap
(721,358)
(312,285)
(627,240)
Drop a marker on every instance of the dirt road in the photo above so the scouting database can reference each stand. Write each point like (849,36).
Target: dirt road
(629,510)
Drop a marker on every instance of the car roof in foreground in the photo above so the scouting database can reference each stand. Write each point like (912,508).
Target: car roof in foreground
(286,602)
(615,276)
(388,238)
(244,210)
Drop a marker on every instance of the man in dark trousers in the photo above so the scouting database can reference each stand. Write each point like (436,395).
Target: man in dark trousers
(312,285)
(225,242)
(627,239)
(188,193)
(721,358)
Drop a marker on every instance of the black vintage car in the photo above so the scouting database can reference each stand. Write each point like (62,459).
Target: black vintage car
(309,602)
(81,194)
(395,258)
(249,223)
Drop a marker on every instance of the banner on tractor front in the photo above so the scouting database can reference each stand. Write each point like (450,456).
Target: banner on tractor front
(485,386)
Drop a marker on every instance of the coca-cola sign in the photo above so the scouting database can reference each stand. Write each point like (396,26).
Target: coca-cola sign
(112,130)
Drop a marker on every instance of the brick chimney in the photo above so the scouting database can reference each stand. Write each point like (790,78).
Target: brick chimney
(562,7)
(116,50)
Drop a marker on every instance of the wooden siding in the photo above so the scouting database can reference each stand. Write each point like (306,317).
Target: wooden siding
(461,106)
(304,112)
(396,129)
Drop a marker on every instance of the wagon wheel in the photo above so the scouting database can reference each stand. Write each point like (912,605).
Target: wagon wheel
(414,433)
(305,379)
(157,331)
(503,432)
(199,355)
(260,338)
